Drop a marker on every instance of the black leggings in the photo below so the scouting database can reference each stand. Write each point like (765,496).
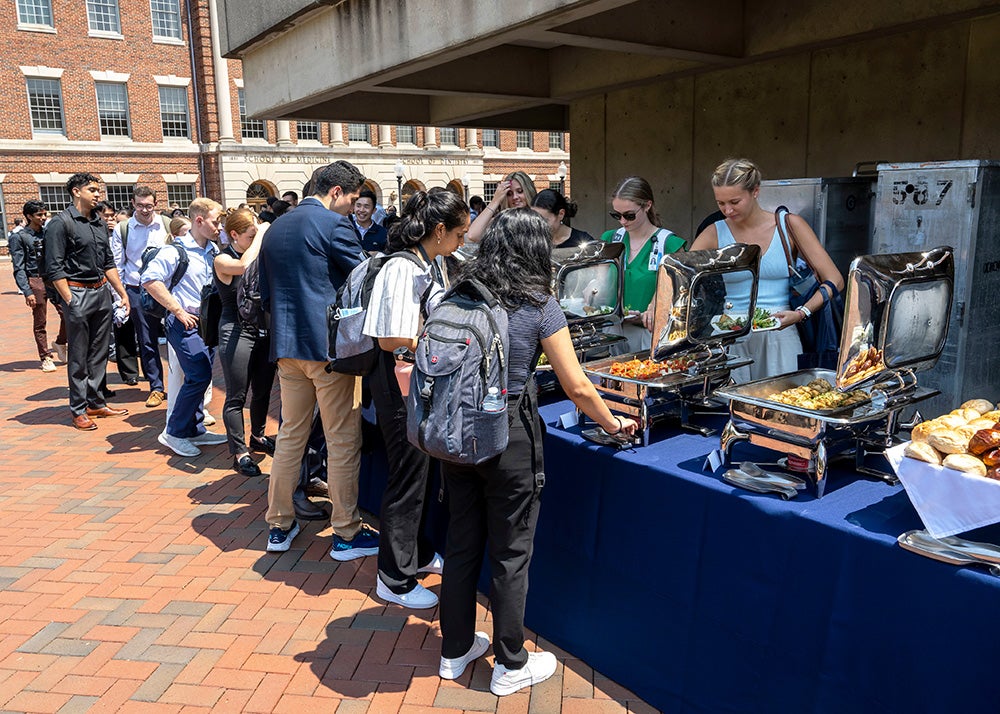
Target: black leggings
(245,365)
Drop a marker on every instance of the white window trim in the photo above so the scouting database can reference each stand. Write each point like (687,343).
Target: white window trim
(109,76)
(238,81)
(102,35)
(179,178)
(48,29)
(171,80)
(42,72)
(120,178)
(51,178)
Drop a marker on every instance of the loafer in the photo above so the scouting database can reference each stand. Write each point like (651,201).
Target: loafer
(84,423)
(455,667)
(106,412)
(306,509)
(155,398)
(245,466)
(317,487)
(264,444)
(131,381)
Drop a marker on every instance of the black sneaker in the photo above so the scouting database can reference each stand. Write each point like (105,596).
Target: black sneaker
(279,541)
(362,545)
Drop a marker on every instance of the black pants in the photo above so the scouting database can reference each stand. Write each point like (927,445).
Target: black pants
(126,350)
(88,329)
(246,367)
(493,505)
(403,544)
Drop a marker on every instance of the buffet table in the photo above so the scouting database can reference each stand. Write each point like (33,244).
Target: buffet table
(701,597)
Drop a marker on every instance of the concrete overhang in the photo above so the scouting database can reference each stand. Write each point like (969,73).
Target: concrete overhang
(519,65)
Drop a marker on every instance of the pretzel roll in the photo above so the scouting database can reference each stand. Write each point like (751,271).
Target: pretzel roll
(991,458)
(984,440)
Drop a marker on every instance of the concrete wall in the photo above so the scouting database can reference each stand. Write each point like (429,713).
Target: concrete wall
(929,94)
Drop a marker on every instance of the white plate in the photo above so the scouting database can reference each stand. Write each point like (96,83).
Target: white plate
(777,326)
(721,330)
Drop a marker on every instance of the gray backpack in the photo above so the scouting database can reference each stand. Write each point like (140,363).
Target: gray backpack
(461,354)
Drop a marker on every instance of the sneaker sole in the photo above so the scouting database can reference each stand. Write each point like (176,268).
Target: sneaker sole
(353,554)
(384,593)
(480,644)
(163,441)
(283,547)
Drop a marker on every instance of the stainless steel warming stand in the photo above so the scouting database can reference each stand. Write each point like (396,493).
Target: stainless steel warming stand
(696,314)
(897,311)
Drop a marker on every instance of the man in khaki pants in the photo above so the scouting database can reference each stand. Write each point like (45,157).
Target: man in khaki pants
(306,256)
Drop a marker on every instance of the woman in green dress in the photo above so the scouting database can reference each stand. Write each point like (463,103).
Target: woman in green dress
(645,245)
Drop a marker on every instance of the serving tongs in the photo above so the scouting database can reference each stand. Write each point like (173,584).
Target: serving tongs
(753,478)
(952,550)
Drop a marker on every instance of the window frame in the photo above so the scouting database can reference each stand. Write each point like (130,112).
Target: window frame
(314,125)
(560,144)
(98,4)
(36,26)
(246,123)
(491,138)
(446,131)
(490,190)
(169,39)
(59,190)
(127,113)
(61,131)
(411,132)
(519,136)
(367,132)
(187,112)
(123,192)
(191,193)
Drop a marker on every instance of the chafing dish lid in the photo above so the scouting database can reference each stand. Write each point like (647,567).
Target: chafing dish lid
(704,297)
(587,280)
(897,308)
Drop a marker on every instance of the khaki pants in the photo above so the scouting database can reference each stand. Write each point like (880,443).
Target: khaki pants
(303,385)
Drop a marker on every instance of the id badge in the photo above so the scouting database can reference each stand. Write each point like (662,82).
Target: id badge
(653,261)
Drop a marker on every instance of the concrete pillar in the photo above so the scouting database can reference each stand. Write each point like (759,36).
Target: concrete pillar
(430,137)
(337,133)
(470,139)
(284,133)
(384,136)
(223,98)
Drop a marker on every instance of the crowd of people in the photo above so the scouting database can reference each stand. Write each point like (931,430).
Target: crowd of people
(129,277)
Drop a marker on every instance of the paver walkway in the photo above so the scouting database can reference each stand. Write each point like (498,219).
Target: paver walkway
(135,580)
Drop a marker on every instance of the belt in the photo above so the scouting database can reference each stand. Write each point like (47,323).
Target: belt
(134,287)
(89,285)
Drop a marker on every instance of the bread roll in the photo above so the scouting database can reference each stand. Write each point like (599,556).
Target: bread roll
(922,451)
(981,423)
(994,415)
(984,440)
(921,430)
(991,458)
(966,463)
(950,421)
(966,431)
(980,405)
(948,441)
(966,415)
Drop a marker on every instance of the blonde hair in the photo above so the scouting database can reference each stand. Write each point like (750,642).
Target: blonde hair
(238,220)
(176,225)
(202,207)
(526,183)
(638,190)
(742,173)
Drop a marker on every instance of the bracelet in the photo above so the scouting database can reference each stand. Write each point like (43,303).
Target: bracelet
(806,312)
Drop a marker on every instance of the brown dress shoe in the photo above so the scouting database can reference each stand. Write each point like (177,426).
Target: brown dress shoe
(84,423)
(106,412)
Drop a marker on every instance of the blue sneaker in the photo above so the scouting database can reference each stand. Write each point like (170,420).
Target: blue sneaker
(279,541)
(362,545)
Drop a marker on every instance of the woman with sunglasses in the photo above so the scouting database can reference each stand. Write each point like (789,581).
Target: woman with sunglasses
(645,245)
(517,190)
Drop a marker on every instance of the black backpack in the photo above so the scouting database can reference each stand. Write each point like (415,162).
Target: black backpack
(248,304)
(150,307)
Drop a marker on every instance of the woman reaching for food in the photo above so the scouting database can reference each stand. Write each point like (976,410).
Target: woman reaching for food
(517,190)
(736,184)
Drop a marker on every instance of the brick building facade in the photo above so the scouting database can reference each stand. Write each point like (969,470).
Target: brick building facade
(136,91)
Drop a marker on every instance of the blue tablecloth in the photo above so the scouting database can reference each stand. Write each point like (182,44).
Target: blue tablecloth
(701,597)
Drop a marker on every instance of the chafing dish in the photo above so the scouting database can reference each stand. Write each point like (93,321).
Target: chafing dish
(896,317)
(696,314)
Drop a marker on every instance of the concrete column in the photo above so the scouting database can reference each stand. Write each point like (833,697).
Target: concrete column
(337,133)
(384,136)
(470,139)
(430,137)
(284,133)
(223,98)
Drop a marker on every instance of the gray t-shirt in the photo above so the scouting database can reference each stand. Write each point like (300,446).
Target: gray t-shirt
(526,327)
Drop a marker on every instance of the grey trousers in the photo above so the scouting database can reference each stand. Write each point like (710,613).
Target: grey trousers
(88,329)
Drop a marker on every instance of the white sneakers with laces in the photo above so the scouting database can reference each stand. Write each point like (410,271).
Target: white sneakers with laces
(539,667)
(420,598)
(177,444)
(453,668)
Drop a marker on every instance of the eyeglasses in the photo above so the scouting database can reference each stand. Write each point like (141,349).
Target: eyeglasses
(627,215)
(145,207)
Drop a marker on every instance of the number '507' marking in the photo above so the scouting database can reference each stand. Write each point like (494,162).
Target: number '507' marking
(919,192)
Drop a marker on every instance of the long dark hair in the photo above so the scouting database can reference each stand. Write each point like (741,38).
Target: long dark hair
(421,215)
(553,202)
(515,259)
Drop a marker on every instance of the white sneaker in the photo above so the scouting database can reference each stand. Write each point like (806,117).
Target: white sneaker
(453,668)
(48,365)
(180,446)
(420,598)
(208,420)
(435,566)
(539,667)
(208,438)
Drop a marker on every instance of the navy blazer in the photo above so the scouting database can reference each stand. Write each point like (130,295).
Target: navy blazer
(306,256)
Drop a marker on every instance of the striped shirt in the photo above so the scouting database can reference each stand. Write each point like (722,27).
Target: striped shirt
(394,309)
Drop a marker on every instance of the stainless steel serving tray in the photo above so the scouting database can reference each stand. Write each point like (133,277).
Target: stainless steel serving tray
(587,281)
(707,361)
(756,393)
(956,551)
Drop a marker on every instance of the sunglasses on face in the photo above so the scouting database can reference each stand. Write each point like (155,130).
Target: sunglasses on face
(627,215)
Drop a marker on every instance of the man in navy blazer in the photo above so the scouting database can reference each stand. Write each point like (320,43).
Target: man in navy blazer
(305,257)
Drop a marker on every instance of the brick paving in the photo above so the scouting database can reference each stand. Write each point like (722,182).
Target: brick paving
(132,580)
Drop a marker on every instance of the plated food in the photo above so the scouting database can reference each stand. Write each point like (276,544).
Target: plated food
(649,369)
(818,394)
(728,323)
(964,440)
(763,320)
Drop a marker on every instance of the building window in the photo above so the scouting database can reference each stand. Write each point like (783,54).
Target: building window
(102,16)
(249,128)
(55,198)
(491,137)
(166,19)
(45,103)
(112,108)
(556,140)
(34,12)
(524,139)
(449,136)
(489,190)
(406,135)
(118,195)
(180,193)
(359,132)
(307,130)
(174,112)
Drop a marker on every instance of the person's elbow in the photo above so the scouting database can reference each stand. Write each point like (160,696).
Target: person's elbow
(577,387)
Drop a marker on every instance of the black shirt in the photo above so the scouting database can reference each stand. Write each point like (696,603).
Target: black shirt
(576,238)
(24,257)
(84,254)
(227,293)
